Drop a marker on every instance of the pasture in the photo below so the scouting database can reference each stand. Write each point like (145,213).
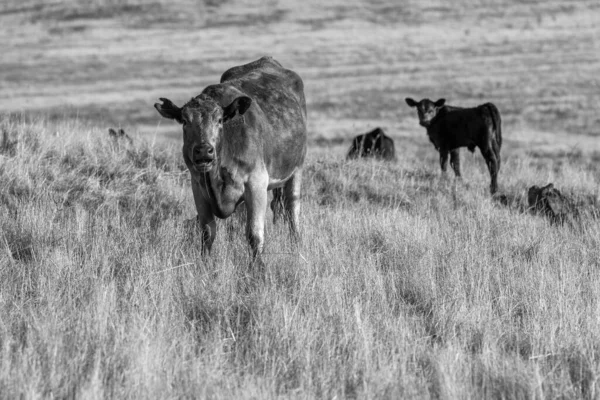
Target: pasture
(406,284)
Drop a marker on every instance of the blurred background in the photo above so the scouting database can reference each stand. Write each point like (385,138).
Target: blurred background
(108,61)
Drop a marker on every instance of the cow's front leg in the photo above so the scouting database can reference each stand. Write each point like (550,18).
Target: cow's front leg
(455,161)
(256,208)
(205,221)
(444,159)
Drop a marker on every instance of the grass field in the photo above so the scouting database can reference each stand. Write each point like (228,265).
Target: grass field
(406,284)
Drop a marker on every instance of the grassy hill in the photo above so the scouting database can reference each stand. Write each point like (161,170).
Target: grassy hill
(407,284)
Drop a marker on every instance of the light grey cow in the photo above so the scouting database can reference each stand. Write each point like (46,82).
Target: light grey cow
(241,138)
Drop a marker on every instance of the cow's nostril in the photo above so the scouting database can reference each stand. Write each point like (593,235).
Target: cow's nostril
(210,151)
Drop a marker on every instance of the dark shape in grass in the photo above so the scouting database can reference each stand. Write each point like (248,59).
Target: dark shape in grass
(582,374)
(8,203)
(20,243)
(552,203)
(8,147)
(119,136)
(373,144)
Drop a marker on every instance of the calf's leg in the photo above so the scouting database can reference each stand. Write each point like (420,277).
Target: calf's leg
(493,166)
(455,161)
(444,160)
(496,148)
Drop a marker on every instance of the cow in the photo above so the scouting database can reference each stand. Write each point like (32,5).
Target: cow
(450,128)
(373,144)
(551,202)
(120,135)
(241,138)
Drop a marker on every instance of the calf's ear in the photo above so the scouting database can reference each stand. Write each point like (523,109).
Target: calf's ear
(237,107)
(440,102)
(112,132)
(410,102)
(169,110)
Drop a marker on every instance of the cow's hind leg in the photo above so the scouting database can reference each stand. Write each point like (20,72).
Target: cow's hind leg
(496,148)
(455,161)
(291,202)
(493,165)
(277,205)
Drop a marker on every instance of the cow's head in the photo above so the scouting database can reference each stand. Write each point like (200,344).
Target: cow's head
(426,109)
(202,119)
(119,135)
(537,197)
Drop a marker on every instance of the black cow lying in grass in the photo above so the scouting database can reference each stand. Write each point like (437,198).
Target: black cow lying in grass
(551,202)
(373,144)
(450,128)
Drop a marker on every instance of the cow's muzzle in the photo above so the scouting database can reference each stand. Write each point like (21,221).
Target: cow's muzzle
(203,157)
(424,123)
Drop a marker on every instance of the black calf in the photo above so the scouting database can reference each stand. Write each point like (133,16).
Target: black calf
(373,144)
(450,128)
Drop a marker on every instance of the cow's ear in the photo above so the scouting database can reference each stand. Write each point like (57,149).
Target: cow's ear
(122,133)
(169,110)
(237,107)
(112,132)
(410,102)
(440,102)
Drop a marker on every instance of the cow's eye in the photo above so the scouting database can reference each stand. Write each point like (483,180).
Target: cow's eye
(220,121)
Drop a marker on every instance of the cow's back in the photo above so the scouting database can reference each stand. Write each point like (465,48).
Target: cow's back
(263,63)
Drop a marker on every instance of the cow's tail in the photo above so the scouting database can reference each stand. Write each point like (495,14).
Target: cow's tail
(496,121)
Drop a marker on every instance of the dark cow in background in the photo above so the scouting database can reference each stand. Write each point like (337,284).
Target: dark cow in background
(241,138)
(551,202)
(373,144)
(119,135)
(450,128)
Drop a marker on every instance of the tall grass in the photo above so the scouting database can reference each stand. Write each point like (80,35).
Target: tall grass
(405,285)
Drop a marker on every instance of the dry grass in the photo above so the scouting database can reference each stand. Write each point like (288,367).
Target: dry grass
(406,284)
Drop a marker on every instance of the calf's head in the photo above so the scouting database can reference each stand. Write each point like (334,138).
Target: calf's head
(426,109)
(202,120)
